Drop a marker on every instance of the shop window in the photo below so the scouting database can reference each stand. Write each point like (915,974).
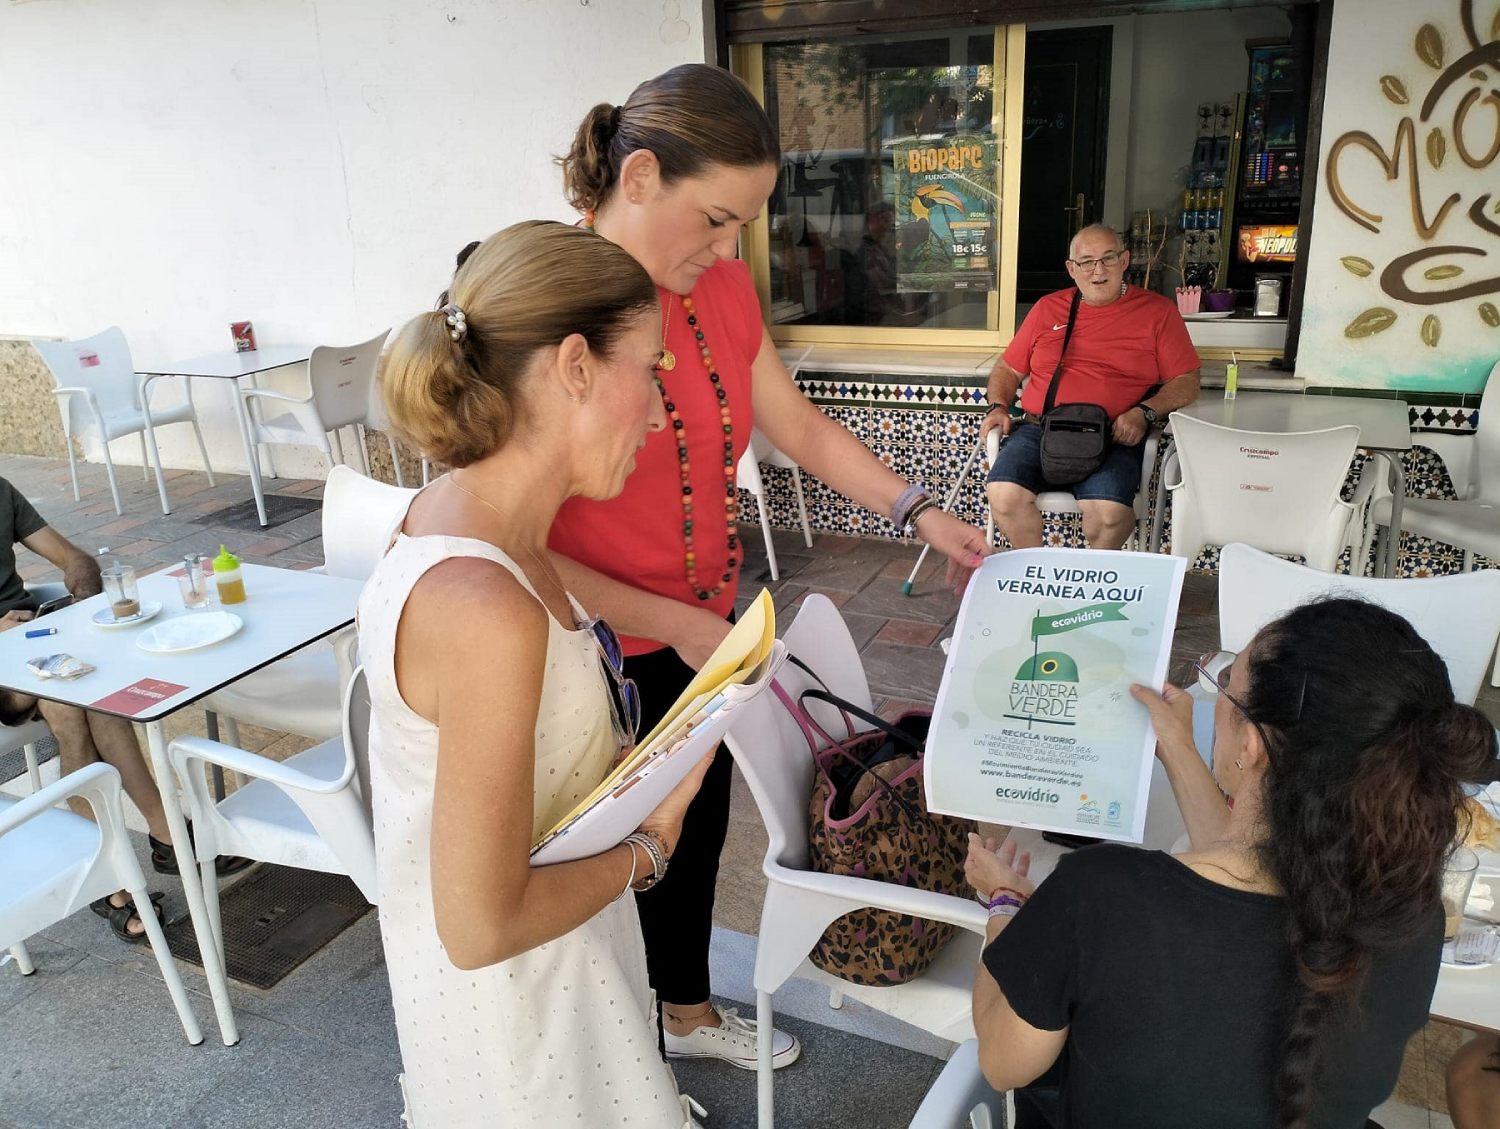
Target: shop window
(888,222)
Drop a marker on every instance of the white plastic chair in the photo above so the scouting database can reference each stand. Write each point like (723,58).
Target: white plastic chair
(54,863)
(772,753)
(303,692)
(1062,502)
(1279,491)
(748,477)
(98,389)
(961,1093)
(1459,616)
(305,812)
(1472,520)
(341,392)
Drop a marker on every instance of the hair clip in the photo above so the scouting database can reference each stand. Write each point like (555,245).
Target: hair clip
(458,326)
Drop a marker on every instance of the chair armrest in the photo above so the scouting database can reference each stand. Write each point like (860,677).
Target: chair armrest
(92,783)
(272,394)
(47,590)
(1171,468)
(185,750)
(963,912)
(1363,488)
(992,445)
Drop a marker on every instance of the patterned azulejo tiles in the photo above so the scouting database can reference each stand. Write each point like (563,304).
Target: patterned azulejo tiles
(926,432)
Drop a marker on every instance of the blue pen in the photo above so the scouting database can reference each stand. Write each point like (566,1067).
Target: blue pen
(40,631)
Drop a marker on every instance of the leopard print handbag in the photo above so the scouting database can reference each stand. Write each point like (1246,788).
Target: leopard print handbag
(867,817)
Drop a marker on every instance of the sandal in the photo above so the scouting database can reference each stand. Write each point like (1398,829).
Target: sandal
(119,919)
(164,858)
(104,907)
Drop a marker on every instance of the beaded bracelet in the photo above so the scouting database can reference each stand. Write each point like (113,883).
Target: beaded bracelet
(921,507)
(900,512)
(1003,904)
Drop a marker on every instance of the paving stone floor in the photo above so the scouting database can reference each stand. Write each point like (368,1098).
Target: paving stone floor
(91,1039)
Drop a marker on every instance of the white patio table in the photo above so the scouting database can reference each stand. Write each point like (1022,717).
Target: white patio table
(285,610)
(1383,426)
(234,367)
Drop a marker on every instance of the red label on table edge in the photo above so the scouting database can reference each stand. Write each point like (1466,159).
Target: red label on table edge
(138,696)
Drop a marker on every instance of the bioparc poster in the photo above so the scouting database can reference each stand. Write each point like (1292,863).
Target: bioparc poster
(1034,724)
(945,213)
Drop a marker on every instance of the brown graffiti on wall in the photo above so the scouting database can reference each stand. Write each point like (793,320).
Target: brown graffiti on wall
(1430,275)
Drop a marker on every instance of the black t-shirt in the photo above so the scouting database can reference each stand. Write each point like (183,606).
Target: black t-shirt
(1174,991)
(18,520)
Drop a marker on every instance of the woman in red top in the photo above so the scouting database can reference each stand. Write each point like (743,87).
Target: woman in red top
(672,176)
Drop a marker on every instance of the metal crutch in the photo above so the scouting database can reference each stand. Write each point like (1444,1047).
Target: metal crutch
(958,484)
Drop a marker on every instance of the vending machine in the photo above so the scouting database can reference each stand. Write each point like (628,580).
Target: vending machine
(1268,192)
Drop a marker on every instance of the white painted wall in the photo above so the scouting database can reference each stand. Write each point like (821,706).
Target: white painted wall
(1182,59)
(171,166)
(1371,42)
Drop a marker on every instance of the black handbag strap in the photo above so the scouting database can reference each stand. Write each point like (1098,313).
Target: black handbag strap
(1067,336)
(848,708)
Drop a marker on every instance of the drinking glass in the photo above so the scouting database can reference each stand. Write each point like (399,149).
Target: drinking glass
(1458,877)
(120,590)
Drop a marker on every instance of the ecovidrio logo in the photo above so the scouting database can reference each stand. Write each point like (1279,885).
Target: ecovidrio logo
(1038,796)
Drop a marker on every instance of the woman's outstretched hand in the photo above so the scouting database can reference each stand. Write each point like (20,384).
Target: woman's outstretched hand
(960,542)
(1172,715)
(988,869)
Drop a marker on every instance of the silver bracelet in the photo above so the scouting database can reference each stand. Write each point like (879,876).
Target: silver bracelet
(629,882)
(657,856)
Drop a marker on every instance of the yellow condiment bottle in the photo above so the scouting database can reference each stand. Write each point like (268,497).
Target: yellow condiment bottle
(228,577)
(1231,380)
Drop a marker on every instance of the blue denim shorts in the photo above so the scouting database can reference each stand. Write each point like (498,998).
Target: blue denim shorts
(1020,461)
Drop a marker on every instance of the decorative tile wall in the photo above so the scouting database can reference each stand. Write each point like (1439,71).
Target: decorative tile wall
(927,430)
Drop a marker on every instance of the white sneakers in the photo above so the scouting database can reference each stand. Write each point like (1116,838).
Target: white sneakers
(733,1041)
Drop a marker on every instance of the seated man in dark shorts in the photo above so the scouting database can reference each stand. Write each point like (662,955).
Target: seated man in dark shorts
(1130,353)
(82,737)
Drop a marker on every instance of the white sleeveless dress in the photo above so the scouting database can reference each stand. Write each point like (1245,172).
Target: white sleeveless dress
(564,1034)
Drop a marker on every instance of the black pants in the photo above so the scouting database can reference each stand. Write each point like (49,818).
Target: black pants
(677,914)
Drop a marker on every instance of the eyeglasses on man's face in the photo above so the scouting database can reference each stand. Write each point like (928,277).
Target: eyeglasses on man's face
(1106,260)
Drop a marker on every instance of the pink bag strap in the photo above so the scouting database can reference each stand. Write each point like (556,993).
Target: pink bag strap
(805,721)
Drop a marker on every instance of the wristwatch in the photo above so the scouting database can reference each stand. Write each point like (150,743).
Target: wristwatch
(993,407)
(1149,413)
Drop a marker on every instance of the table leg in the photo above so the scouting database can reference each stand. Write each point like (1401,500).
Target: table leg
(251,458)
(187,866)
(1398,504)
(216,772)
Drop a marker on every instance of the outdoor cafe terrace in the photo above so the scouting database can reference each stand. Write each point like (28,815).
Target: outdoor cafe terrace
(91,1039)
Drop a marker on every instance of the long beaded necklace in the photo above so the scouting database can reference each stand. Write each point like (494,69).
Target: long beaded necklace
(679,432)
(731,490)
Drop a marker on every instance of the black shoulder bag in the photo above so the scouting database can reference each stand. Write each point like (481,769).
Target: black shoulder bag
(1075,437)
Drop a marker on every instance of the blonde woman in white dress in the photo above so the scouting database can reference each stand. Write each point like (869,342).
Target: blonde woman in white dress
(520,993)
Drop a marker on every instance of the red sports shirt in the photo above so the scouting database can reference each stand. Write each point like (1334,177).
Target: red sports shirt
(1118,353)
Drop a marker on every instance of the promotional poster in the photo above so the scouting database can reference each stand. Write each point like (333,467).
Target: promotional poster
(945,213)
(1034,724)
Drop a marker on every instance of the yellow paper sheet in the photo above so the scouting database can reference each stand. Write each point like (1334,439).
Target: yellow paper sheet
(733,661)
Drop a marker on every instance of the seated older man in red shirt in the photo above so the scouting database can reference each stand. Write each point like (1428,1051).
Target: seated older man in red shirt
(1129,353)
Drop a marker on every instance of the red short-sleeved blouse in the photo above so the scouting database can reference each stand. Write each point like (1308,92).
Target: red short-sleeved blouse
(636,538)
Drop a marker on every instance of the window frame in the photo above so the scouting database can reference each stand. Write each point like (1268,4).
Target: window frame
(747,60)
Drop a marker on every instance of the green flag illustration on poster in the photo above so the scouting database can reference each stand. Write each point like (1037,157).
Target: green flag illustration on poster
(945,213)
(1034,725)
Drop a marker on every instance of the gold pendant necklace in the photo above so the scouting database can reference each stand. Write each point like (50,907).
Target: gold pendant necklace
(668,359)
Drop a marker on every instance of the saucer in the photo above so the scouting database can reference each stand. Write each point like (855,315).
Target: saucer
(150,609)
